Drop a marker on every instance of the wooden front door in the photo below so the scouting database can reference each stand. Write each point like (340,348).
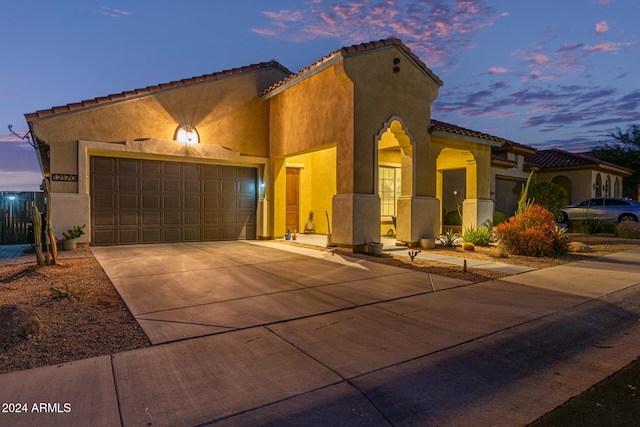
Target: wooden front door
(293,189)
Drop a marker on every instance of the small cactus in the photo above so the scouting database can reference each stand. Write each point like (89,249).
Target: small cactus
(413,254)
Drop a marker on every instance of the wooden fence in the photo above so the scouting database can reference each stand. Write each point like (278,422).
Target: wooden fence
(15,215)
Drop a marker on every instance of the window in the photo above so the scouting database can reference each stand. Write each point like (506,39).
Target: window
(389,181)
(613,202)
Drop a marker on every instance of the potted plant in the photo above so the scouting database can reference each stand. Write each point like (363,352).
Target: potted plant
(287,235)
(71,236)
(308,228)
(294,237)
(374,248)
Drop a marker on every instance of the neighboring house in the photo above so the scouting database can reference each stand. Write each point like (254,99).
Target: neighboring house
(582,176)
(509,174)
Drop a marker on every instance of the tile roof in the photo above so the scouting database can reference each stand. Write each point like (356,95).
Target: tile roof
(559,159)
(437,125)
(152,89)
(352,50)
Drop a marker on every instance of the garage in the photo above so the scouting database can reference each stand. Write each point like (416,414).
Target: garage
(136,201)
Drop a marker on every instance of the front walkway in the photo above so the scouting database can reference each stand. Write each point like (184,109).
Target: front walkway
(389,246)
(249,334)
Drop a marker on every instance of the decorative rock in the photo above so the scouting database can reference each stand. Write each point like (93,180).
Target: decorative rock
(579,247)
(18,322)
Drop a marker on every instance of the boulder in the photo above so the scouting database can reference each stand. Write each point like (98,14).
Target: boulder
(18,322)
(579,247)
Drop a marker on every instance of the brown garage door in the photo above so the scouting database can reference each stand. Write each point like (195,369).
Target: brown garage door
(144,201)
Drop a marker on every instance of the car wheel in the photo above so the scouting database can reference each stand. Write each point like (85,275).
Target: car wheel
(627,218)
(563,218)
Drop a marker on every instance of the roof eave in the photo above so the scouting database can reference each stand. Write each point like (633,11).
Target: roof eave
(466,138)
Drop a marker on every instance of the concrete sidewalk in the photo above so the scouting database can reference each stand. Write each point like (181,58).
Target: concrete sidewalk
(250,334)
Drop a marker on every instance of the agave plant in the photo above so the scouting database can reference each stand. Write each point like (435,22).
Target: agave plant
(449,239)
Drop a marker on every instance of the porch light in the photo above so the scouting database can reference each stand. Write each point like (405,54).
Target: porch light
(187,135)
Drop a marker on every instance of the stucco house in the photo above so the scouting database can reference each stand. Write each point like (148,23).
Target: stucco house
(249,153)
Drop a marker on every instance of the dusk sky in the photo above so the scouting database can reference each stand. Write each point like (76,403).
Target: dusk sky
(546,73)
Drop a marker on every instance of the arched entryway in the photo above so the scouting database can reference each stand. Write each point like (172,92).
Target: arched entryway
(456,181)
(394,178)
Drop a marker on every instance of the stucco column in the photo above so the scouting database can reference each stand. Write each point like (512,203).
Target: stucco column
(477,212)
(418,218)
(356,220)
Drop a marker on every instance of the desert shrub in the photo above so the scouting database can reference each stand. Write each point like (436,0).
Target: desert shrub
(449,239)
(533,232)
(549,195)
(628,230)
(452,218)
(499,217)
(481,236)
(592,226)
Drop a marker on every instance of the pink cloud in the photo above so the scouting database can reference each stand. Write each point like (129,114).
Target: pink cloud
(498,70)
(114,13)
(436,30)
(607,47)
(602,27)
(602,1)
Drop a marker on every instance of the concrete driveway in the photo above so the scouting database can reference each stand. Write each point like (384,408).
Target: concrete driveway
(256,333)
(180,291)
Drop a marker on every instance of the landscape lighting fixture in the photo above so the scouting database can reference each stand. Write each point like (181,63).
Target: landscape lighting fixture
(187,135)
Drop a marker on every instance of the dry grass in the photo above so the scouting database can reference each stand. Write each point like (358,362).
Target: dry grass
(93,321)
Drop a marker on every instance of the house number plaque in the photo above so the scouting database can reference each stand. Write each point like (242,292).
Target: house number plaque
(64,177)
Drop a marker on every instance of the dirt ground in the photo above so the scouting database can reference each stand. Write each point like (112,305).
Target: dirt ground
(82,315)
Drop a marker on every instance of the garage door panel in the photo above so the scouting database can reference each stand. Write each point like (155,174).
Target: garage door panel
(146,201)
(191,186)
(211,234)
(246,202)
(171,218)
(103,201)
(151,184)
(210,202)
(151,235)
(127,166)
(104,237)
(103,164)
(127,218)
(128,201)
(171,169)
(171,201)
(103,182)
(170,235)
(171,185)
(151,218)
(192,202)
(150,201)
(228,203)
(191,218)
(105,219)
(128,236)
(191,234)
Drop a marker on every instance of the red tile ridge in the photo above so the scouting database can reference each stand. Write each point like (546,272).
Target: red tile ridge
(355,49)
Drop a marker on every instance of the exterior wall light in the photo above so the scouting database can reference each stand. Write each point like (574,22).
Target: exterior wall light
(187,135)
